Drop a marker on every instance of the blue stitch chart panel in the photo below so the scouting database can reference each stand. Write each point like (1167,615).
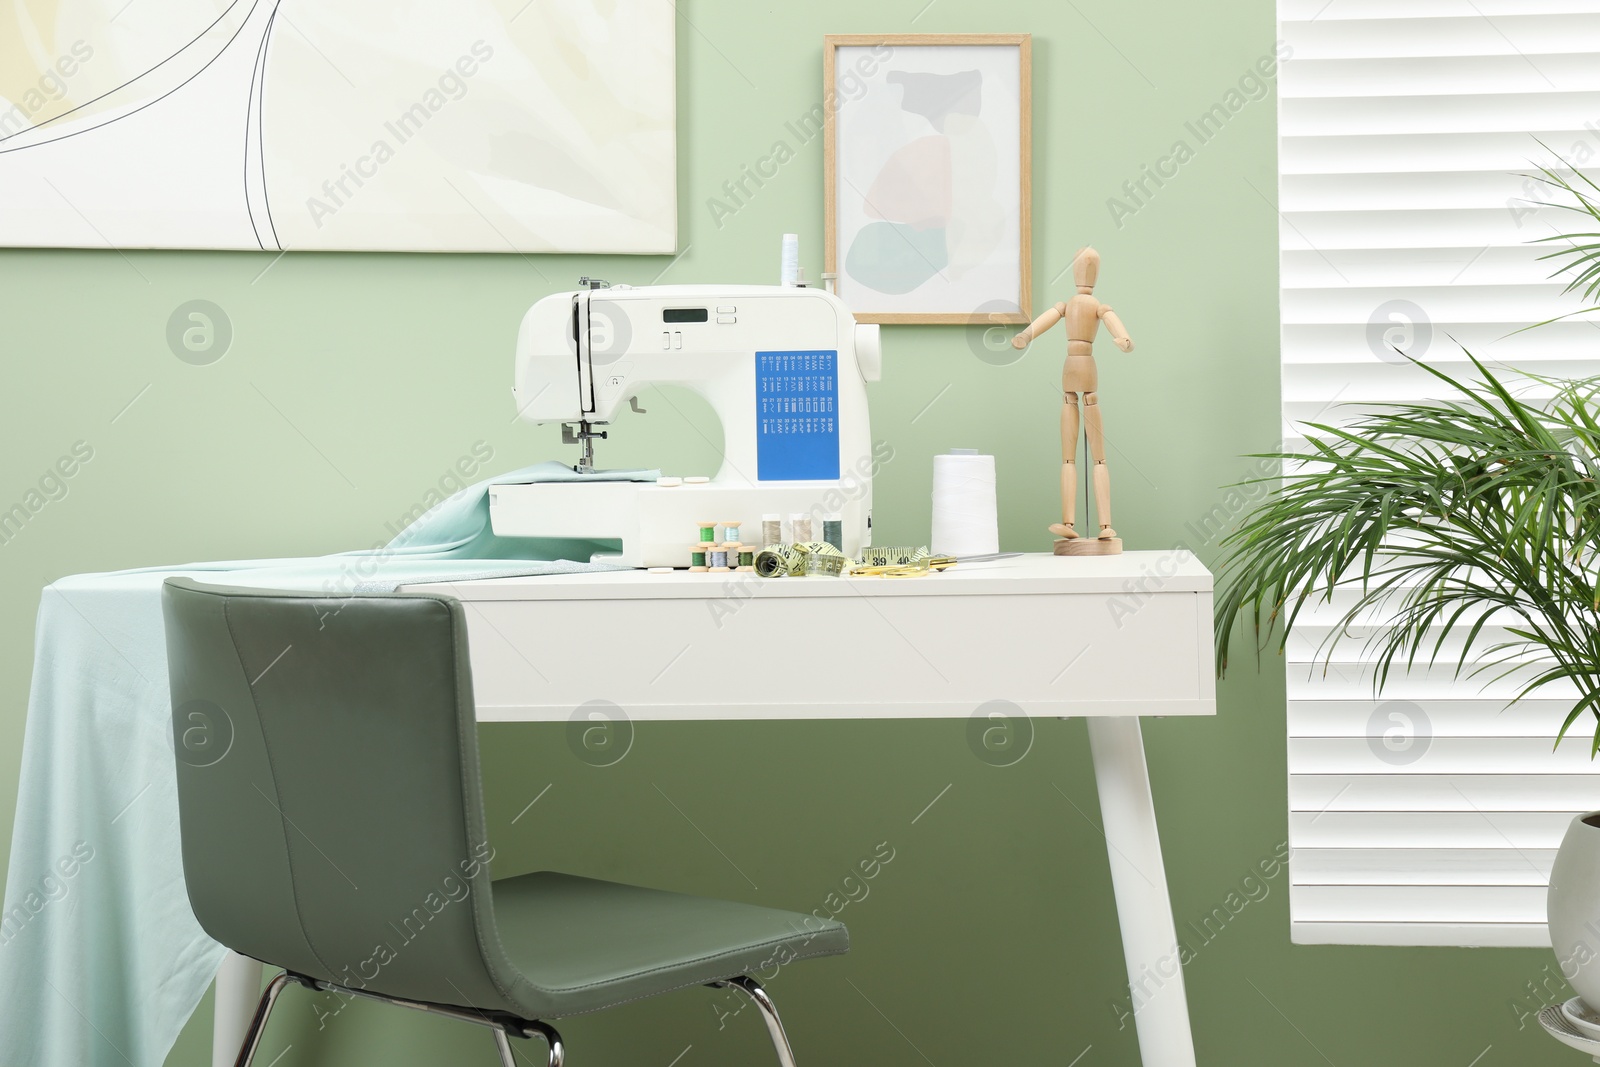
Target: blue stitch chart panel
(797,416)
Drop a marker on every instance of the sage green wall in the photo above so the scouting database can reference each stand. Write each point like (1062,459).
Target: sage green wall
(355,381)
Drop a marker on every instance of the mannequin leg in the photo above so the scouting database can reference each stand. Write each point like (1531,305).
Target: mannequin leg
(1067,527)
(1097,454)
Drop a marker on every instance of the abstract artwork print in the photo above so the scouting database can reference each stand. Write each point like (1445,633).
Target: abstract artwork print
(929,182)
(369,125)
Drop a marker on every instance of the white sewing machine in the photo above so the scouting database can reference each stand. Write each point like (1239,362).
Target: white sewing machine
(785,369)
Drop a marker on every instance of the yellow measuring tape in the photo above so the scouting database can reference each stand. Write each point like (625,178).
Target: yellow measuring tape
(800,560)
(918,567)
(810,558)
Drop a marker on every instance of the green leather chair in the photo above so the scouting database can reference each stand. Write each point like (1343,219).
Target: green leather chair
(332,824)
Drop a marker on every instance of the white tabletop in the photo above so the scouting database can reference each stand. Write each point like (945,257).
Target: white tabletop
(1169,571)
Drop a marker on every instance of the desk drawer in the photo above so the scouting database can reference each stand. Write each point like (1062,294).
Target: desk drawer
(843,657)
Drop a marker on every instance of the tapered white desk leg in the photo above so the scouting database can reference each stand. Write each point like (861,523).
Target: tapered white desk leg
(238,991)
(1144,910)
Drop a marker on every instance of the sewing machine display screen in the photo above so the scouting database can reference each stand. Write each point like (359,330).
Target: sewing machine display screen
(797,416)
(684,315)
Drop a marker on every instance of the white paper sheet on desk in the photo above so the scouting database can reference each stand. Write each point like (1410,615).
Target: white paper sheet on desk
(101,959)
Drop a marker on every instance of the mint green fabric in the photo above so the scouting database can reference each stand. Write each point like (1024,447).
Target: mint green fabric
(101,959)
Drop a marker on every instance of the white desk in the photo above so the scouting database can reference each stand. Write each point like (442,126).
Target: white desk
(1110,638)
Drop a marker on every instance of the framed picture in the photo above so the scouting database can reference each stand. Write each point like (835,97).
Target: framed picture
(927,182)
(515,126)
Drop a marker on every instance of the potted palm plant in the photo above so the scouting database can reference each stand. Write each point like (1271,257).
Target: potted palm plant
(1476,516)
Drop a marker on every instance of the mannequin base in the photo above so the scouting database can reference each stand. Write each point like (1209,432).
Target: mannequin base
(1089,546)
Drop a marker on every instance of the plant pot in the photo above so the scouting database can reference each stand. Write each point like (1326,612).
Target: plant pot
(1573,907)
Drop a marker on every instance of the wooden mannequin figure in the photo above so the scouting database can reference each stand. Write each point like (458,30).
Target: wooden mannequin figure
(1083,314)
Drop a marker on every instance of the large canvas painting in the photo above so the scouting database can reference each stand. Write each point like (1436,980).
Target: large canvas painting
(927,176)
(473,125)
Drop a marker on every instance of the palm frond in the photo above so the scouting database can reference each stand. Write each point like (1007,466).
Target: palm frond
(1473,518)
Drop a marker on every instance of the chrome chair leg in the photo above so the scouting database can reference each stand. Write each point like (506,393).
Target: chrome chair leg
(558,1053)
(252,1036)
(502,1044)
(769,1014)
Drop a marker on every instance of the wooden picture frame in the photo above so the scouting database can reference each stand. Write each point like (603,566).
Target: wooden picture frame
(928,121)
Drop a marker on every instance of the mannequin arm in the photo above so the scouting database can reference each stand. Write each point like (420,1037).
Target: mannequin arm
(1114,327)
(1039,325)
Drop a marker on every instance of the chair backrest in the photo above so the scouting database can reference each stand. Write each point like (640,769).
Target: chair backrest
(328,787)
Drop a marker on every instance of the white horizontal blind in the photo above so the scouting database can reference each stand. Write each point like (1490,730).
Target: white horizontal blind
(1431,814)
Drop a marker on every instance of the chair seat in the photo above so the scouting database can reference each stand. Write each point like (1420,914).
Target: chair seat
(587,944)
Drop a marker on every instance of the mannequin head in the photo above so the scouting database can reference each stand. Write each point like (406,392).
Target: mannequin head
(1086,268)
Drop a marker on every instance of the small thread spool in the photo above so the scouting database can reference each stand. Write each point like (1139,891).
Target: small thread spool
(800,527)
(747,559)
(833,531)
(730,531)
(697,559)
(771,529)
(718,558)
(708,532)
